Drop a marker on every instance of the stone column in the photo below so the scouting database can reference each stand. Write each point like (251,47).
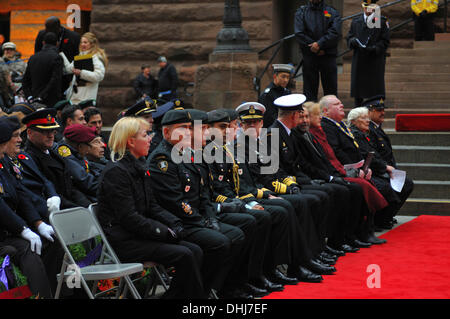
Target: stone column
(227,80)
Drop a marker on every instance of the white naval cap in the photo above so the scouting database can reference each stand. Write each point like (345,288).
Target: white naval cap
(290,102)
(283,68)
(251,110)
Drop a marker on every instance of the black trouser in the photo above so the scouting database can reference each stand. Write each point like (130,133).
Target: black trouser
(32,266)
(424,28)
(315,66)
(186,257)
(221,250)
(278,251)
(240,273)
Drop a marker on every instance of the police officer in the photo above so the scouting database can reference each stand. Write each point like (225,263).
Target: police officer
(73,149)
(423,15)
(179,188)
(318,29)
(381,142)
(41,130)
(143,108)
(369,42)
(229,188)
(21,225)
(278,87)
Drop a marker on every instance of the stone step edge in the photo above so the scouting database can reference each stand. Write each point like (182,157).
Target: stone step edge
(421,148)
(428,200)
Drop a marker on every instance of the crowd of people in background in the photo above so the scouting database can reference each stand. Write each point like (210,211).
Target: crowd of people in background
(226,227)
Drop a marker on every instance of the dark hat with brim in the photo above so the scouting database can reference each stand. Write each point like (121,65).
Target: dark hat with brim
(142,107)
(87,103)
(80,133)
(24,107)
(375,103)
(217,116)
(251,111)
(176,117)
(43,119)
(286,68)
(290,102)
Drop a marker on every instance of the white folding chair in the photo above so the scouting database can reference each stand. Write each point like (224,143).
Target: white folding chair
(160,273)
(78,225)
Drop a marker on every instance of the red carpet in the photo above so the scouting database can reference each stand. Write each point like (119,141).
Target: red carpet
(422,122)
(414,264)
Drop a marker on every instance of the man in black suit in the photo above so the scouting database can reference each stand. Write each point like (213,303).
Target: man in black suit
(68,43)
(382,142)
(43,76)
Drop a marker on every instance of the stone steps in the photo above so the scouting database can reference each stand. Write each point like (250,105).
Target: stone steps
(426,171)
(419,138)
(422,154)
(411,68)
(418,52)
(431,189)
(425,206)
(402,77)
(429,87)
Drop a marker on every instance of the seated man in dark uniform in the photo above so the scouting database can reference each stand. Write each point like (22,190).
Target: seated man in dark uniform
(380,140)
(179,189)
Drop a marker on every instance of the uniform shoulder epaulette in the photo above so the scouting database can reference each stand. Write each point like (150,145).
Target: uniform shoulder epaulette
(267,90)
(64,151)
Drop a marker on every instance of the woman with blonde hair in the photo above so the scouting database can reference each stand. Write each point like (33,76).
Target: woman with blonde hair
(137,227)
(85,82)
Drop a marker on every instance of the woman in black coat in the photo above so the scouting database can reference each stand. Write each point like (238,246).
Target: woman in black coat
(138,228)
(381,171)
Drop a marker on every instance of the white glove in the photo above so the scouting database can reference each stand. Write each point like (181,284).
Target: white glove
(53,204)
(34,239)
(46,231)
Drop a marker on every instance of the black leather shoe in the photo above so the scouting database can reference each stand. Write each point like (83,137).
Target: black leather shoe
(307,275)
(266,284)
(337,252)
(360,244)
(255,291)
(319,268)
(278,277)
(375,240)
(326,260)
(329,256)
(349,249)
(235,294)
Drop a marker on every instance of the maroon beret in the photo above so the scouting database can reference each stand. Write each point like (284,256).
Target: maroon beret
(80,133)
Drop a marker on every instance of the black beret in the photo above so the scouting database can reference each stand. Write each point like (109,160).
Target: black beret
(175,117)
(61,104)
(216,116)
(198,115)
(6,130)
(142,107)
(232,113)
(14,123)
(43,119)
(87,103)
(375,102)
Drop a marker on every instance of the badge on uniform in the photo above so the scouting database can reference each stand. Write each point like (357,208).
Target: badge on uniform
(240,171)
(163,166)
(187,208)
(187,188)
(220,178)
(17,171)
(64,151)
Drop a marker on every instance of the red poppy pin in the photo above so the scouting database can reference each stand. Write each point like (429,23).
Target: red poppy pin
(147,173)
(22,157)
(326,13)
(368,139)
(1,165)
(66,41)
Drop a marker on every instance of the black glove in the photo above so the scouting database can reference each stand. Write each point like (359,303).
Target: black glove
(372,49)
(293,189)
(353,44)
(212,223)
(339,180)
(232,207)
(317,182)
(179,231)
(172,236)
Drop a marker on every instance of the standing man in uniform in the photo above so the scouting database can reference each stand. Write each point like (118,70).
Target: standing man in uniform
(167,80)
(318,29)
(369,37)
(278,87)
